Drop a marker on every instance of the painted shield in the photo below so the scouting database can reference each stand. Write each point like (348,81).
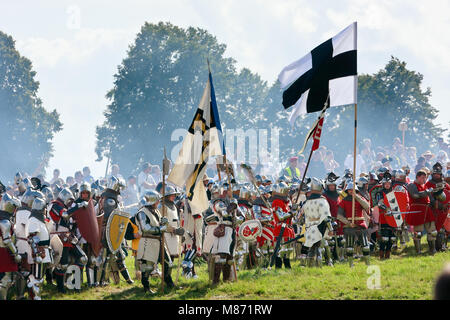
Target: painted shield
(250,230)
(116,228)
(87,224)
(397,201)
(446,202)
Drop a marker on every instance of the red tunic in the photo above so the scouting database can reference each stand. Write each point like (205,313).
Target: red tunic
(288,231)
(334,205)
(439,215)
(421,205)
(268,229)
(7,263)
(347,206)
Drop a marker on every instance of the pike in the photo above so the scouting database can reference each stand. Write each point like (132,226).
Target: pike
(165,172)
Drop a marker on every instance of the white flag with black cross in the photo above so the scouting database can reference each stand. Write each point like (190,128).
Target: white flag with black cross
(328,70)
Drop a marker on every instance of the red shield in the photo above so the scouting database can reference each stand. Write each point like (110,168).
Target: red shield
(397,201)
(87,224)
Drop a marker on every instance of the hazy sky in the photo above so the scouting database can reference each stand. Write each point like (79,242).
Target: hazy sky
(76,46)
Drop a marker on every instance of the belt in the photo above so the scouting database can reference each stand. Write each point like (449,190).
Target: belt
(152,237)
(24,239)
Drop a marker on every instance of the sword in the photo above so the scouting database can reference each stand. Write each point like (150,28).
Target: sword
(294,239)
(390,213)
(277,245)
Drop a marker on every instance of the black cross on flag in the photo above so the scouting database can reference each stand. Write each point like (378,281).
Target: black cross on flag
(329,69)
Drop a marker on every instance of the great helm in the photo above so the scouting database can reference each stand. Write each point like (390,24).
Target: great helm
(38,204)
(316,184)
(116,184)
(149,198)
(65,195)
(48,193)
(9,203)
(30,195)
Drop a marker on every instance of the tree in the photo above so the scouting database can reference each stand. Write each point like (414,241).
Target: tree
(26,127)
(158,87)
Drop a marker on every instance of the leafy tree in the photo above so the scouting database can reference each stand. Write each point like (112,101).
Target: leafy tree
(158,87)
(26,127)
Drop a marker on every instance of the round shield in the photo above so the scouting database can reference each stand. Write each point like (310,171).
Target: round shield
(250,230)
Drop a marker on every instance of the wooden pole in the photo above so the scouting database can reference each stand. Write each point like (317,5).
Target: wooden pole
(354,166)
(162,245)
(304,175)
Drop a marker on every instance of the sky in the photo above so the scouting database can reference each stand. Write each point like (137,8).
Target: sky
(76,47)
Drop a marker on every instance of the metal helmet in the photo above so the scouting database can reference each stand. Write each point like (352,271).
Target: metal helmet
(215,188)
(373,176)
(331,178)
(30,195)
(316,184)
(48,193)
(349,186)
(18,178)
(437,168)
(348,173)
(244,193)
(281,188)
(381,171)
(400,174)
(361,182)
(85,187)
(9,203)
(116,184)
(24,184)
(169,191)
(386,178)
(38,204)
(220,207)
(66,196)
(258,178)
(149,198)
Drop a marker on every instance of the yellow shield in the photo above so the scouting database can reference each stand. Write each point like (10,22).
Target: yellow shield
(116,228)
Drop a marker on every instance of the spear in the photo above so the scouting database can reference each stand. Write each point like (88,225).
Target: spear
(165,172)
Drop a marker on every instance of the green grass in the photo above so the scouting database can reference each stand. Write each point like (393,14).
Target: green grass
(404,276)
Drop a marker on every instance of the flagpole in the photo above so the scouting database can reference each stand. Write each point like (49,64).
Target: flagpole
(354,166)
(304,175)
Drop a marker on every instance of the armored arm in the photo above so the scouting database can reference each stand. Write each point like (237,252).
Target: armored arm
(33,240)
(414,192)
(5,229)
(281,215)
(146,228)
(363,202)
(341,216)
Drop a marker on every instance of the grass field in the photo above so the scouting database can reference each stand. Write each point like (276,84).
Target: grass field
(404,276)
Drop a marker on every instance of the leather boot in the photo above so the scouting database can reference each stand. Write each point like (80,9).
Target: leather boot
(432,246)
(49,276)
(387,254)
(226,268)
(287,263)
(126,276)
(381,254)
(278,263)
(60,283)
(417,246)
(217,272)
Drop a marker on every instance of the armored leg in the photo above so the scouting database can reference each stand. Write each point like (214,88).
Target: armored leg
(5,284)
(417,237)
(146,267)
(349,245)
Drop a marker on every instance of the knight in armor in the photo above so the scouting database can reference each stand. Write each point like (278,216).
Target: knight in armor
(65,228)
(387,233)
(92,266)
(283,223)
(401,181)
(438,204)
(245,206)
(39,239)
(419,197)
(172,239)
(318,224)
(151,226)
(263,213)
(355,230)
(21,232)
(332,195)
(9,255)
(192,223)
(223,240)
(107,204)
